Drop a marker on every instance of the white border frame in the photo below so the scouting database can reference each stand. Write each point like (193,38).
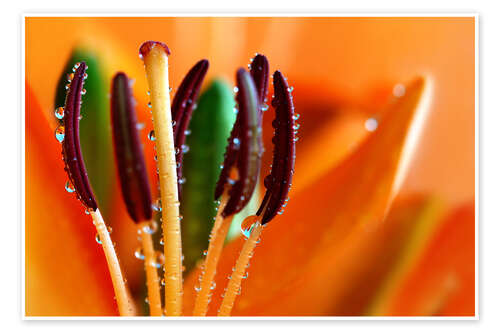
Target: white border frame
(239,14)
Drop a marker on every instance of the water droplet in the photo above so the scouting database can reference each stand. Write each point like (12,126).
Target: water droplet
(84,91)
(60,133)
(371,124)
(59,113)
(182,180)
(159,259)
(296,116)
(213,285)
(187,132)
(245,276)
(150,228)
(178,165)
(236,143)
(399,90)
(197,289)
(295,139)
(296,126)
(139,126)
(177,150)
(163,282)
(290,89)
(235,110)
(151,135)
(157,205)
(205,252)
(139,254)
(264,107)
(69,187)
(185,149)
(235,89)
(149,105)
(98,239)
(149,92)
(174,123)
(162,242)
(247,225)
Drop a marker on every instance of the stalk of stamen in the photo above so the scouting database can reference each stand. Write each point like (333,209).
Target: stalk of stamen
(217,237)
(125,305)
(152,279)
(155,56)
(234,285)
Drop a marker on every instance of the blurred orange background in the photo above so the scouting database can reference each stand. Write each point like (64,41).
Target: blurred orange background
(347,57)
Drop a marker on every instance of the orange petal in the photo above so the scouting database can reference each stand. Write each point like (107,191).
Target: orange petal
(66,271)
(440,280)
(348,203)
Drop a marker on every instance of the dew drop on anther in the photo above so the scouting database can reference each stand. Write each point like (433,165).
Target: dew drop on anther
(59,113)
(60,133)
(69,187)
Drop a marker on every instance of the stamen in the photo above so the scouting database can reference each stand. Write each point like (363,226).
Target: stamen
(182,109)
(77,173)
(278,183)
(259,69)
(133,178)
(155,56)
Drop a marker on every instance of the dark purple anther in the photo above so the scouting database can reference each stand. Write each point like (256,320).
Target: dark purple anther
(72,153)
(147,46)
(244,148)
(182,109)
(259,69)
(278,183)
(128,151)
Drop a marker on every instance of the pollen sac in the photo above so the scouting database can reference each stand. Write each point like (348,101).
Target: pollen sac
(244,149)
(147,46)
(259,69)
(182,109)
(278,183)
(128,151)
(71,150)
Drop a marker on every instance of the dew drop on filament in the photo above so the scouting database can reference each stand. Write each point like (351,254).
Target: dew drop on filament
(247,225)
(139,254)
(151,135)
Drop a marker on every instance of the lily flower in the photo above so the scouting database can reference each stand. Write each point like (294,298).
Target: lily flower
(353,240)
